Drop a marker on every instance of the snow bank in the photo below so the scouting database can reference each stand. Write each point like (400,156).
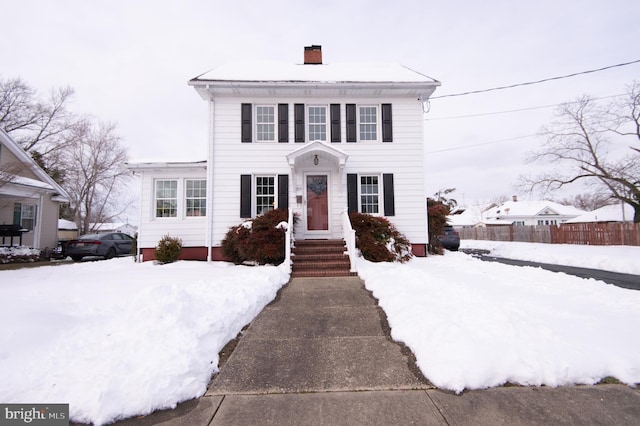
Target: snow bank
(624,259)
(474,324)
(117,338)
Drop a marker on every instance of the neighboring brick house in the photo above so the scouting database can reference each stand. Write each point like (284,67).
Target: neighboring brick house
(315,138)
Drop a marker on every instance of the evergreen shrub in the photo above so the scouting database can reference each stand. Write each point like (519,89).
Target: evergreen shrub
(260,240)
(437,213)
(379,240)
(168,249)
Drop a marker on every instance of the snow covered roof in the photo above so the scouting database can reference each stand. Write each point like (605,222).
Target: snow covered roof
(67,225)
(470,216)
(262,78)
(166,165)
(46,182)
(531,209)
(613,213)
(320,73)
(25,181)
(110,226)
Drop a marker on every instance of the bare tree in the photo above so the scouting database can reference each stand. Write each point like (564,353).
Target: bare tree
(587,201)
(8,173)
(96,175)
(577,145)
(40,127)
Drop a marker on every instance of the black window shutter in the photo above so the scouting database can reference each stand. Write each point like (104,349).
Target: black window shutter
(387,123)
(351,122)
(17,213)
(335,123)
(389,199)
(283,123)
(352,192)
(246,122)
(283,191)
(298,113)
(245,196)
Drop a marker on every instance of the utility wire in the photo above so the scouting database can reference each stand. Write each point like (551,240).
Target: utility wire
(479,144)
(544,80)
(515,110)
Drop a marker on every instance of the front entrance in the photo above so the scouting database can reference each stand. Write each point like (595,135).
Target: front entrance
(317,190)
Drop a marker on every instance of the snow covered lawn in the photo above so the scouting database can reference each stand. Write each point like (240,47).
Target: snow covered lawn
(116,338)
(474,324)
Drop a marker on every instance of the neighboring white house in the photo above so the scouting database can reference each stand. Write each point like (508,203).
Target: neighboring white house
(29,197)
(103,228)
(612,213)
(531,213)
(316,138)
(470,217)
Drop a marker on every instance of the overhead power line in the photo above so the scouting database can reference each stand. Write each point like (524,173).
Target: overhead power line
(482,114)
(544,80)
(479,144)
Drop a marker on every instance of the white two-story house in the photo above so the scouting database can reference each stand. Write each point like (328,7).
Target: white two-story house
(315,138)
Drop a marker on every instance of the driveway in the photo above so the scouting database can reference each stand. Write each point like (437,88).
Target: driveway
(618,279)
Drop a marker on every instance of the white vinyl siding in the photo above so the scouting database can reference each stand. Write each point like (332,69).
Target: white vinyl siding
(404,158)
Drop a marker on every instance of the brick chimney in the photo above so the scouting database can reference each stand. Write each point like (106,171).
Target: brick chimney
(313,55)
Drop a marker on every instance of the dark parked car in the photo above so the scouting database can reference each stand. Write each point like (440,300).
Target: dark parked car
(450,239)
(105,245)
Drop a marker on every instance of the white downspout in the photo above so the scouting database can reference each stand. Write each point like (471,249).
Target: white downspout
(424,171)
(37,234)
(209,227)
(139,257)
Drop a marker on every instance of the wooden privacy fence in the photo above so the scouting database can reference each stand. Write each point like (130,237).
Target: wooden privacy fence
(597,234)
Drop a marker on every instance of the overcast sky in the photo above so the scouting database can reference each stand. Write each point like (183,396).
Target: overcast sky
(129,62)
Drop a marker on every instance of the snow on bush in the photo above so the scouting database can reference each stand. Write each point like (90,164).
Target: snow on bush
(18,254)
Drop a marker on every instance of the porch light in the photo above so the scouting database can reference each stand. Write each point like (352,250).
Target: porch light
(315,160)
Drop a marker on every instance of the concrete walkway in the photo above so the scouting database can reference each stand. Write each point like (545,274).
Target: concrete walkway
(320,354)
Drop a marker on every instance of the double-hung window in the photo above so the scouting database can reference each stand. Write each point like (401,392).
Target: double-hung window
(265,194)
(196,197)
(317,129)
(166,198)
(370,194)
(265,123)
(367,123)
(25,215)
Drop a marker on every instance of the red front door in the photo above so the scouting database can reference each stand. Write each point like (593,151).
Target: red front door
(317,203)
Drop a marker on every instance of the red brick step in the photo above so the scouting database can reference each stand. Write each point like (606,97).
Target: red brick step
(320,258)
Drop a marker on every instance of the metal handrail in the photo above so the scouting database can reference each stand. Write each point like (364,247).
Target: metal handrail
(349,236)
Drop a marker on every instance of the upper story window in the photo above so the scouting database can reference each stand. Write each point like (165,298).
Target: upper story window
(265,123)
(196,197)
(370,194)
(317,117)
(367,123)
(166,198)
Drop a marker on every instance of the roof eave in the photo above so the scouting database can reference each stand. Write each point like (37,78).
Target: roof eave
(209,88)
